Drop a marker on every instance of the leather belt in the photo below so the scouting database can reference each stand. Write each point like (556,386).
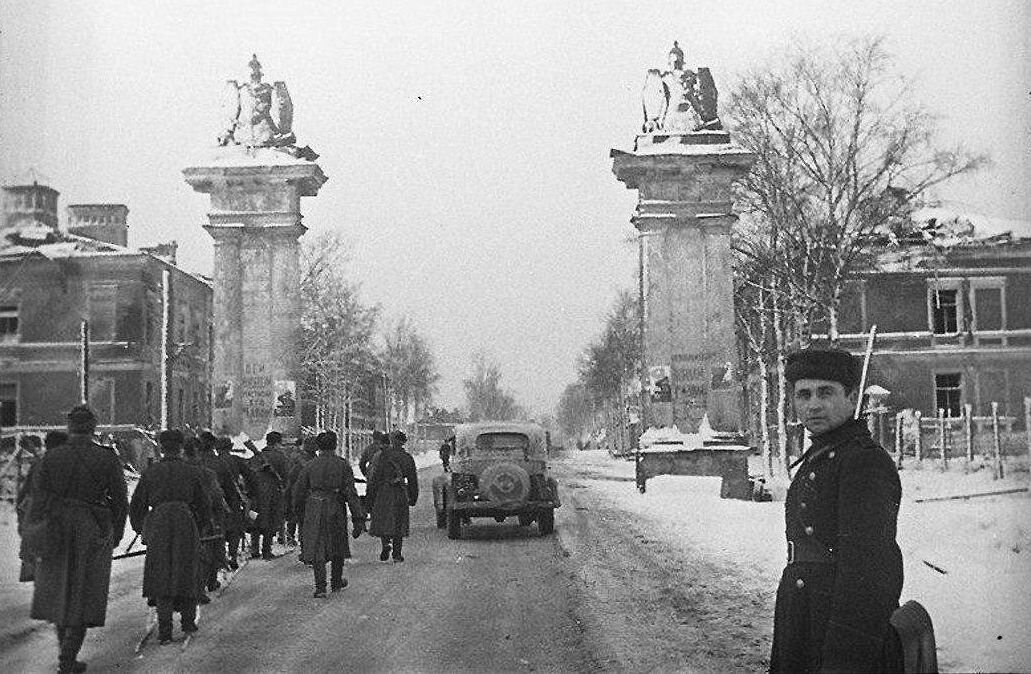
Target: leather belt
(809,551)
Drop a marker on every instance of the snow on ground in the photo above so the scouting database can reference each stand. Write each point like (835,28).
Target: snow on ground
(981,605)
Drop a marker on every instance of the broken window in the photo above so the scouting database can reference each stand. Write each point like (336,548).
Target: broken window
(8,404)
(945,311)
(8,322)
(948,393)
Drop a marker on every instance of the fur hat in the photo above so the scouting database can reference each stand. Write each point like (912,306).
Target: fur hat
(273,438)
(81,420)
(171,440)
(829,364)
(379,436)
(326,441)
(398,438)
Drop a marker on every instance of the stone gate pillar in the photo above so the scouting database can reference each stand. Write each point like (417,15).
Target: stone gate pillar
(683,166)
(256,179)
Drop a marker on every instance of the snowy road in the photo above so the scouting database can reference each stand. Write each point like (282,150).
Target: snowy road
(601,595)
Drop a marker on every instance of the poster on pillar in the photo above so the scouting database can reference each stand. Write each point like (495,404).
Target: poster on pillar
(223,397)
(658,384)
(285,405)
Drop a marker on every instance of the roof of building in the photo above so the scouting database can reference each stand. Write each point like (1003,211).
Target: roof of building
(38,239)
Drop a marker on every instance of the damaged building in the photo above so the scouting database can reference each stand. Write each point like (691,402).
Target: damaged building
(51,279)
(952,306)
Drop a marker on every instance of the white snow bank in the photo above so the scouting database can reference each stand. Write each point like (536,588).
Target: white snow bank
(982,604)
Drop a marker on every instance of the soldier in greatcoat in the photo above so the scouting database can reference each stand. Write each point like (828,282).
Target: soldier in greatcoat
(78,490)
(24,501)
(267,468)
(379,441)
(246,487)
(212,549)
(323,489)
(844,568)
(225,473)
(306,452)
(169,509)
(393,488)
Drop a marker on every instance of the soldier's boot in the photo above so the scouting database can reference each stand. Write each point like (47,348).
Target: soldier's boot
(319,568)
(266,546)
(384,554)
(397,549)
(70,639)
(164,611)
(337,581)
(188,617)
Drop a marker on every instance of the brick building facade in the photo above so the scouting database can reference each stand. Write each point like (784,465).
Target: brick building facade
(51,280)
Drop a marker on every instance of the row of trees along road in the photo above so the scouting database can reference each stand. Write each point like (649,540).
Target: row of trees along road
(844,154)
(605,368)
(344,356)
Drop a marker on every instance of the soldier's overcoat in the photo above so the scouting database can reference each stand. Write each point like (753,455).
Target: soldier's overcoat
(169,508)
(81,488)
(323,488)
(832,613)
(267,497)
(393,487)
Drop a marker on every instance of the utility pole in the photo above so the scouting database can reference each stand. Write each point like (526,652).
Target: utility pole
(84,362)
(166,320)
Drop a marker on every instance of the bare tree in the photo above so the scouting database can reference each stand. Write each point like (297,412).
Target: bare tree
(411,368)
(336,328)
(842,153)
(484,394)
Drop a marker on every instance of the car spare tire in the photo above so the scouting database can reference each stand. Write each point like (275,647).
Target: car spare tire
(505,482)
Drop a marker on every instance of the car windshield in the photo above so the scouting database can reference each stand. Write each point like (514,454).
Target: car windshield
(502,442)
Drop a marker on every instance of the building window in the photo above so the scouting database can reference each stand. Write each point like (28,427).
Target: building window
(8,405)
(8,322)
(945,311)
(948,393)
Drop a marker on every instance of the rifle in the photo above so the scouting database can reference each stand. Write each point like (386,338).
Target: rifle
(143,551)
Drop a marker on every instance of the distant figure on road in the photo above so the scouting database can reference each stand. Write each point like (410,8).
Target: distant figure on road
(393,488)
(379,441)
(844,569)
(447,448)
(79,491)
(169,509)
(324,489)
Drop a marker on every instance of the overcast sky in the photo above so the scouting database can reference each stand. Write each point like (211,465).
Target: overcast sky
(466,144)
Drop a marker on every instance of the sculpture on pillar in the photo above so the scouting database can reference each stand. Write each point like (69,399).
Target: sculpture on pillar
(679,100)
(259,114)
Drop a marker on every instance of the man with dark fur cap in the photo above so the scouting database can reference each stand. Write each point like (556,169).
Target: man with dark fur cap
(393,489)
(79,489)
(169,509)
(269,469)
(844,569)
(324,488)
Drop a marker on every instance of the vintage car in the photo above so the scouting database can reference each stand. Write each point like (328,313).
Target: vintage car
(499,470)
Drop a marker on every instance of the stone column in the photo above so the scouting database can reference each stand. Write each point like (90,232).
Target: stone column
(684,216)
(255,221)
